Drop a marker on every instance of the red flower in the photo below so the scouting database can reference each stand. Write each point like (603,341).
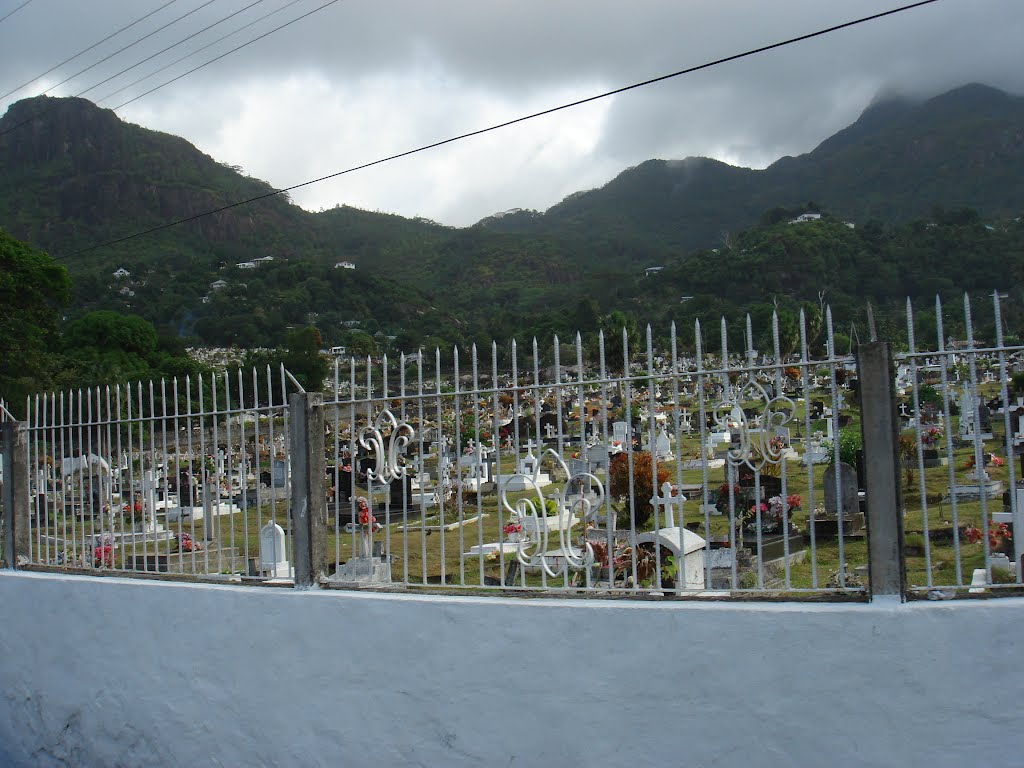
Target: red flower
(103,556)
(793,501)
(972,534)
(365,518)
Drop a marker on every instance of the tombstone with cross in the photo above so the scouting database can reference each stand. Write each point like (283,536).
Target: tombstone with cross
(686,546)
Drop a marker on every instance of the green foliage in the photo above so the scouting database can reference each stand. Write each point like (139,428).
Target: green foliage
(849,444)
(579,266)
(33,288)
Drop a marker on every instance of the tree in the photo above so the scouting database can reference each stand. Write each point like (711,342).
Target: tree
(303,358)
(33,288)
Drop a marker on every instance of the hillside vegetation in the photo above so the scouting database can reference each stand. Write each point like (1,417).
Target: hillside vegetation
(933,189)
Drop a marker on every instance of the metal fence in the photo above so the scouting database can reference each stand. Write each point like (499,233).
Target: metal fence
(184,476)
(608,472)
(679,468)
(961,413)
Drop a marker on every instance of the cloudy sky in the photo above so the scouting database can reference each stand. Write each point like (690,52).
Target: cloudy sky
(364,79)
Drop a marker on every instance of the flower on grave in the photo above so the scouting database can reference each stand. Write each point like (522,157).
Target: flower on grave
(793,501)
(931,436)
(512,527)
(103,556)
(366,519)
(792,373)
(995,460)
(996,535)
(187,544)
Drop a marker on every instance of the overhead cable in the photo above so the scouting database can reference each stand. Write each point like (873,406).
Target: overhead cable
(199,50)
(86,50)
(505,124)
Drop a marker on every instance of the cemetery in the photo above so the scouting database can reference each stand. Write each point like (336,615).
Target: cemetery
(671,482)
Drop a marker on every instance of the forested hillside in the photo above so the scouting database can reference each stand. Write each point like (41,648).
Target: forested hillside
(933,191)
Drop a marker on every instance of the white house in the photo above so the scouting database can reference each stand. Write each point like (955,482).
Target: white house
(344,265)
(652,271)
(247,265)
(121,272)
(805,217)
(218,285)
(262,259)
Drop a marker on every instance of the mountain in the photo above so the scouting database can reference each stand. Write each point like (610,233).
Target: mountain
(964,148)
(75,175)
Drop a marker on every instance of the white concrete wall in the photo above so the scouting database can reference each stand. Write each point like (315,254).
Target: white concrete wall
(115,672)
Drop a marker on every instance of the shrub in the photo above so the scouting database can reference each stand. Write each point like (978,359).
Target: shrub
(643,488)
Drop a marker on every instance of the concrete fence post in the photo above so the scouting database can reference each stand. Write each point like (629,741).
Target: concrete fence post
(880,432)
(15,494)
(308,497)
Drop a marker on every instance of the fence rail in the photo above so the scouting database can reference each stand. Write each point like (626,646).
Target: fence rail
(678,469)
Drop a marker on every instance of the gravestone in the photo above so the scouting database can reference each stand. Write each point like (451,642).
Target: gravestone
(400,492)
(853,518)
(848,480)
(273,553)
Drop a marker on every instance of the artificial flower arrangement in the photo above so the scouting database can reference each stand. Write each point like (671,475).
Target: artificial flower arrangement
(773,513)
(187,544)
(997,534)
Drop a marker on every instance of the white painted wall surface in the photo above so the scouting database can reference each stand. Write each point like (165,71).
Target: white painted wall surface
(116,672)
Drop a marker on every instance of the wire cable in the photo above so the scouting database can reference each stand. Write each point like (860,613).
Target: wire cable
(11,13)
(86,50)
(175,45)
(460,137)
(130,45)
(36,116)
(228,53)
(199,50)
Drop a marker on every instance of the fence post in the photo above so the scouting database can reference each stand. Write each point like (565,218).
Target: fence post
(880,433)
(308,498)
(16,501)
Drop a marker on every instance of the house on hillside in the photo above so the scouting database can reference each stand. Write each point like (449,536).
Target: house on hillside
(652,271)
(121,272)
(218,285)
(344,265)
(805,217)
(246,265)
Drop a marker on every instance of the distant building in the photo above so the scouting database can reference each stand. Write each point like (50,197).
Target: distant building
(805,217)
(247,265)
(344,265)
(652,271)
(263,258)
(218,285)
(121,272)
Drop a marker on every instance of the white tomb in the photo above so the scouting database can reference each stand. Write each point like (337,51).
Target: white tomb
(687,547)
(273,553)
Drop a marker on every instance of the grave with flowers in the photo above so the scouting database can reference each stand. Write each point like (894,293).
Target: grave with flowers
(767,529)
(370,564)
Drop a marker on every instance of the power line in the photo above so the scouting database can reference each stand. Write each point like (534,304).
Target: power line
(194,69)
(130,45)
(86,50)
(175,45)
(505,124)
(228,53)
(200,50)
(11,13)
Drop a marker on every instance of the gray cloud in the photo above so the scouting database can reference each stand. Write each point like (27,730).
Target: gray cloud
(362,80)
